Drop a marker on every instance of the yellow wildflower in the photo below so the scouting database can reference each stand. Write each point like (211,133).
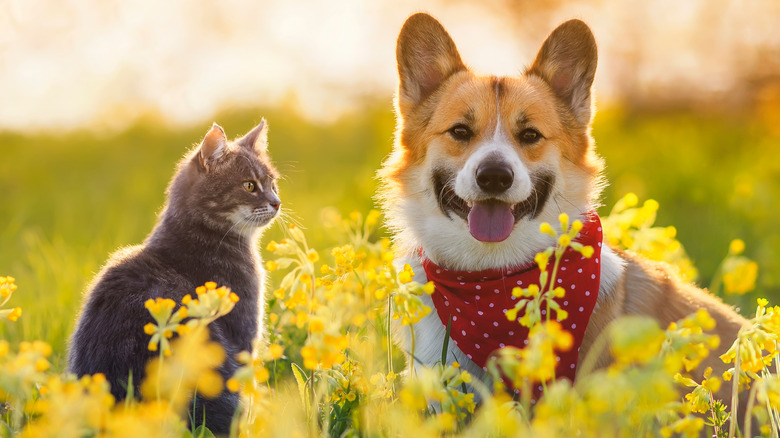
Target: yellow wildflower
(233,385)
(406,275)
(276,351)
(372,218)
(739,275)
(546,228)
(736,247)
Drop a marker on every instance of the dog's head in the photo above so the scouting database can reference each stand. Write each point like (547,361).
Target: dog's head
(480,161)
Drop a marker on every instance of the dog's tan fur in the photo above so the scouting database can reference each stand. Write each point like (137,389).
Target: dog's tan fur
(436,92)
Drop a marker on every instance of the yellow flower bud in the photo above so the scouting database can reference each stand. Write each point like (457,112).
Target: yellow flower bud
(563,218)
(262,375)
(316,325)
(15,314)
(736,247)
(587,251)
(276,351)
(42,364)
(630,199)
(542,259)
(545,228)
(149,329)
(372,218)
(233,385)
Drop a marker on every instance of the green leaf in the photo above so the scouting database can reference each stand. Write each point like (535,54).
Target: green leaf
(299,374)
(285,262)
(288,280)
(446,344)
(203,432)
(5,431)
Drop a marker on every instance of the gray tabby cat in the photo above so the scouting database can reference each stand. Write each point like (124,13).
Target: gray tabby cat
(222,196)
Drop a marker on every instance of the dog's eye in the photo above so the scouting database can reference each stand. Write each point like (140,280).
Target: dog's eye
(249,186)
(461,132)
(529,136)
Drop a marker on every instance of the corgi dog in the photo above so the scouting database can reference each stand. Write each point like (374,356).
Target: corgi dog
(479,163)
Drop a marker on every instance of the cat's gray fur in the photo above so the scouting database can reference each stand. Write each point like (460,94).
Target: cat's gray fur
(207,232)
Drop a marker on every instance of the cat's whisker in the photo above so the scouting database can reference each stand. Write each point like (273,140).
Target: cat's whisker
(288,218)
(231,229)
(242,233)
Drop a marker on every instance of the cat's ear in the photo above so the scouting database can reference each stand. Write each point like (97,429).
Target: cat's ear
(426,57)
(257,138)
(213,145)
(567,62)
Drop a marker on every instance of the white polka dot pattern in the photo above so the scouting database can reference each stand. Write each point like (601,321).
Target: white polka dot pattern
(479,323)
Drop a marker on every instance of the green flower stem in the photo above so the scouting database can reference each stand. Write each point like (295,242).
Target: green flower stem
(735,390)
(749,410)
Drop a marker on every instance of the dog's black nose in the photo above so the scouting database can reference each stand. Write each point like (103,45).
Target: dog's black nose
(494,177)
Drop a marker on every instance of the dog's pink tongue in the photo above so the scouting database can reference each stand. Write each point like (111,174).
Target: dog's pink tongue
(491,221)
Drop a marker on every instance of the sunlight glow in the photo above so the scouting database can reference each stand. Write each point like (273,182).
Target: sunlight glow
(73,62)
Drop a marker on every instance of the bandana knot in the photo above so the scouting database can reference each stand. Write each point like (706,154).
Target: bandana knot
(476,302)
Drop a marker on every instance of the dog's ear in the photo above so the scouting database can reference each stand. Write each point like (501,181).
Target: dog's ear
(426,56)
(567,61)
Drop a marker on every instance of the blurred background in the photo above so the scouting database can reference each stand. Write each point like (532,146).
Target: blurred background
(99,99)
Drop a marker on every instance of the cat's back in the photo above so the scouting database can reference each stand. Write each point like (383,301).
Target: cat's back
(113,313)
(131,273)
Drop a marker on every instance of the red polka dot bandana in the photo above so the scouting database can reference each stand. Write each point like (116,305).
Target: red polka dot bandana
(476,302)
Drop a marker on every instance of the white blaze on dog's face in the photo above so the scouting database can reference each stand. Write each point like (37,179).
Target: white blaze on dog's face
(481,161)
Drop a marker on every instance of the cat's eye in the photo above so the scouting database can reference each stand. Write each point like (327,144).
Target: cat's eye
(461,132)
(249,186)
(529,136)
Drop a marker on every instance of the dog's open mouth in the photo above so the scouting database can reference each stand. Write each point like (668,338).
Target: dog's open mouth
(492,220)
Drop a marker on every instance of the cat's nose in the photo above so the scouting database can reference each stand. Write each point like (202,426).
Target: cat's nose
(274,201)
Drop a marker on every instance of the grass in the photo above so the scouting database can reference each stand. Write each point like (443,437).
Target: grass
(70,199)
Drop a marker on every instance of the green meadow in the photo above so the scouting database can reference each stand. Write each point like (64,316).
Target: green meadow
(71,198)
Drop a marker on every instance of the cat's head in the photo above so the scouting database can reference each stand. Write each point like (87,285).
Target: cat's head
(228,185)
